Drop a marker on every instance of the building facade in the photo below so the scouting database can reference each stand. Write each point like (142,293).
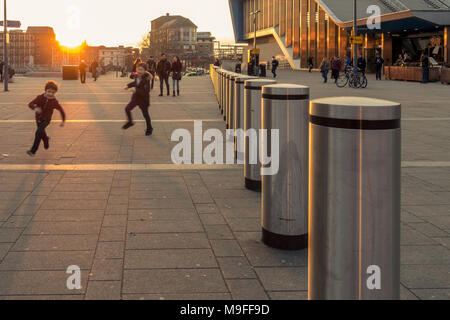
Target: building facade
(32,48)
(296,30)
(173,35)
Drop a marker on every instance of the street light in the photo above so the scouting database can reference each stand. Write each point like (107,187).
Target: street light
(5,50)
(255,13)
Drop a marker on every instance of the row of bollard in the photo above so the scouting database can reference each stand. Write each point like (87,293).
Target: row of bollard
(337,188)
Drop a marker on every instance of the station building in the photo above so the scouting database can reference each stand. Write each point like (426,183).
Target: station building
(296,30)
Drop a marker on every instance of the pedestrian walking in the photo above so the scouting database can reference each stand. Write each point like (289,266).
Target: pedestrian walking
(151,65)
(424,60)
(163,70)
(177,67)
(361,63)
(43,106)
(336,66)
(275,65)
(82,67)
(217,62)
(379,61)
(140,98)
(324,68)
(2,66)
(94,70)
(310,64)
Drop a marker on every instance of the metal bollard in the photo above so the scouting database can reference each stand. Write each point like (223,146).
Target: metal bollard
(231,102)
(215,81)
(285,107)
(221,84)
(239,111)
(225,94)
(354,209)
(252,120)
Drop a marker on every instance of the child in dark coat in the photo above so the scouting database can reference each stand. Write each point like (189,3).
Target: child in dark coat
(141,97)
(43,106)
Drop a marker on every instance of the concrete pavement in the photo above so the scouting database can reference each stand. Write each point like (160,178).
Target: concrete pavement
(111,202)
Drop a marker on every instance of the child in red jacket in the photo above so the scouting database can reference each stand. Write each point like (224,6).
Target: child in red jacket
(43,106)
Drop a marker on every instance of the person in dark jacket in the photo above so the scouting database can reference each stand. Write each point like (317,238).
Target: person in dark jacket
(177,67)
(163,70)
(43,106)
(141,97)
(425,62)
(361,64)
(379,61)
(2,66)
(275,65)
(310,64)
(94,70)
(151,65)
(136,63)
(336,66)
(324,68)
(82,67)
(217,62)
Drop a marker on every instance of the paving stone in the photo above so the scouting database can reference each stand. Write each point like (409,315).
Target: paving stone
(162,214)
(38,282)
(174,296)
(68,215)
(112,233)
(169,259)
(63,228)
(50,260)
(421,276)
(4,248)
(74,204)
(236,268)
(410,236)
(432,294)
(406,294)
(168,241)
(106,270)
(262,256)
(288,295)
(219,232)
(110,250)
(161,226)
(56,243)
(226,248)
(244,224)
(115,221)
(178,281)
(429,230)
(425,255)
(97,195)
(44,297)
(205,208)
(160,203)
(283,279)
(212,219)
(103,290)
(10,234)
(17,222)
(246,289)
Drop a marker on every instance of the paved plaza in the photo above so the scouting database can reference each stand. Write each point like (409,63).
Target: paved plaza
(111,201)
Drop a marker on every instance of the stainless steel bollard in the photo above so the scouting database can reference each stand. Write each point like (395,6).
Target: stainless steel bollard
(252,123)
(239,111)
(285,107)
(222,89)
(231,102)
(355,171)
(225,94)
(215,77)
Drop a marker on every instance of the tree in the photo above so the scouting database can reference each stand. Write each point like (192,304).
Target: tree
(145,42)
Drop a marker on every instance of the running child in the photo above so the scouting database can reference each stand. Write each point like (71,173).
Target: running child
(141,97)
(43,106)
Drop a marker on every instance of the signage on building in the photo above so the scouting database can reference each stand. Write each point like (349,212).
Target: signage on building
(356,39)
(12,24)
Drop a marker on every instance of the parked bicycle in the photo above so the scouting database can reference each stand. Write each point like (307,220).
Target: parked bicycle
(354,80)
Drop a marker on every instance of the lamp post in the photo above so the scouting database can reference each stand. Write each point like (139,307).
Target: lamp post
(355,33)
(5,49)
(255,20)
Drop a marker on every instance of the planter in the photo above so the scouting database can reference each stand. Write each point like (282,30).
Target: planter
(445,75)
(411,73)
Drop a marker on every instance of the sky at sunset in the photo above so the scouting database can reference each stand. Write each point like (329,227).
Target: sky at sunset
(115,22)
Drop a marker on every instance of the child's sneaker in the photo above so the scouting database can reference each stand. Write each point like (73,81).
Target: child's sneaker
(128,125)
(31,154)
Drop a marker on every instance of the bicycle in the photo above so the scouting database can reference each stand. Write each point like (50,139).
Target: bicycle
(354,80)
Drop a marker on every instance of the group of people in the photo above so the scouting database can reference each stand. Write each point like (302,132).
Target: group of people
(404,59)
(143,80)
(93,68)
(336,66)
